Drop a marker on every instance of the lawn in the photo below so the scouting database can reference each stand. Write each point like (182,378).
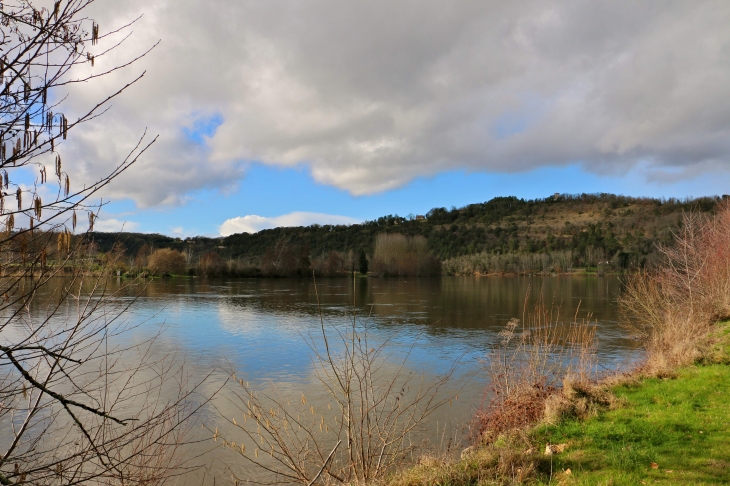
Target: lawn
(670,431)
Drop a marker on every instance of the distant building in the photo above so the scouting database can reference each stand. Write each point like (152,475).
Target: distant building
(556,196)
(420,217)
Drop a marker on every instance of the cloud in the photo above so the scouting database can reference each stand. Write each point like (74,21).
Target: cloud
(370,95)
(252,223)
(112,225)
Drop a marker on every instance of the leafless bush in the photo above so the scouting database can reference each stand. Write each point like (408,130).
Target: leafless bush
(358,436)
(167,261)
(530,364)
(672,309)
(400,255)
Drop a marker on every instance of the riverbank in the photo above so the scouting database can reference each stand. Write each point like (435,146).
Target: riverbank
(638,429)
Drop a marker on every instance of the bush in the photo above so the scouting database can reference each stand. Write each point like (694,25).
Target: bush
(400,255)
(673,308)
(166,261)
(530,367)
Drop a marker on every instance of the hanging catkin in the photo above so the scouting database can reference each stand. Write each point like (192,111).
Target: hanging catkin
(92,217)
(67,186)
(58,166)
(73,220)
(19,197)
(65,126)
(38,207)
(6,179)
(56,8)
(10,223)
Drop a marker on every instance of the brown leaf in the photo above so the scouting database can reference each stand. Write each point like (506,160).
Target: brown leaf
(654,465)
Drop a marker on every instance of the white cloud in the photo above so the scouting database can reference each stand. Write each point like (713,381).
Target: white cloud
(252,223)
(372,94)
(112,225)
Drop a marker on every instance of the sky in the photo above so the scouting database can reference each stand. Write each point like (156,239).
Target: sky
(287,112)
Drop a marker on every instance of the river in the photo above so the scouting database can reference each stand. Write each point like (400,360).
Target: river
(263,330)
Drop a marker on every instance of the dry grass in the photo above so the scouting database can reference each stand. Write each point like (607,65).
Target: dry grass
(530,368)
(509,461)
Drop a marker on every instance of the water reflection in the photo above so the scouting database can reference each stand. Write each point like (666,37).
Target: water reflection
(259,327)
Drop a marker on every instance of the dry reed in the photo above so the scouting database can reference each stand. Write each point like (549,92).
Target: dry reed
(535,367)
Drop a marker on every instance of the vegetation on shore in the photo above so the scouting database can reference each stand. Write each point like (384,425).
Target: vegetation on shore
(599,232)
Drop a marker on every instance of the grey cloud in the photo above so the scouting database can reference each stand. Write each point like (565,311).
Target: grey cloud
(373,94)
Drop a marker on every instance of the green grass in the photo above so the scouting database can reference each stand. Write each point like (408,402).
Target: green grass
(681,424)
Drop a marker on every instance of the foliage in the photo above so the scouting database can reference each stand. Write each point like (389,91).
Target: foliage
(362,262)
(505,234)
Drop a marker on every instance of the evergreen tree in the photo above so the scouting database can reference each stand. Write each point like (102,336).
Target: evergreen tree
(363,262)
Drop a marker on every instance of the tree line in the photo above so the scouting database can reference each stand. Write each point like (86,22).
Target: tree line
(504,234)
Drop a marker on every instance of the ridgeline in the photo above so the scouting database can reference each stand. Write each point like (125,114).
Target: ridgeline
(504,234)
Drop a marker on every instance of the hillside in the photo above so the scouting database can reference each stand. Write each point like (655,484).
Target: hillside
(581,230)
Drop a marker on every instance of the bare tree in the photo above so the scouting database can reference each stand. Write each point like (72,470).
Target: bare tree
(76,406)
(360,432)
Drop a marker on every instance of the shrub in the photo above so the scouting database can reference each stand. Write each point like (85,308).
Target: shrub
(166,261)
(400,255)
(528,368)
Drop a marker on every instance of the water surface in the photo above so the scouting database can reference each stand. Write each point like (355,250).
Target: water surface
(260,329)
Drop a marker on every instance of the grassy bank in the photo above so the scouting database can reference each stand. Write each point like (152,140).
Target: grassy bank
(671,430)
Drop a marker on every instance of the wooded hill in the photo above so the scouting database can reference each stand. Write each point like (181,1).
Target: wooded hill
(580,230)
